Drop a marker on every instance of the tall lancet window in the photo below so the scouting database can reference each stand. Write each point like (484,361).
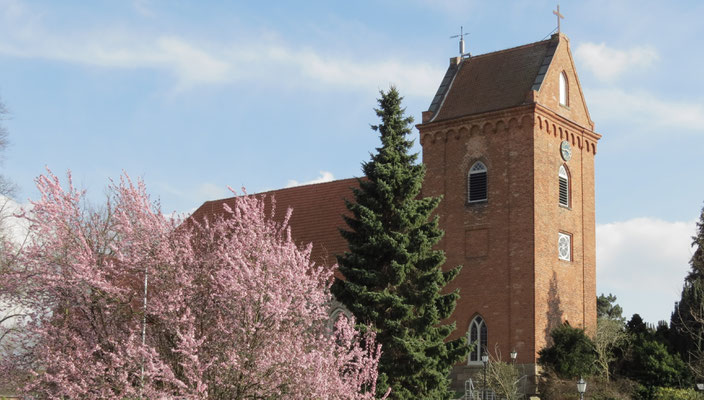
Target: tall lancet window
(564,90)
(478,337)
(477,183)
(564,179)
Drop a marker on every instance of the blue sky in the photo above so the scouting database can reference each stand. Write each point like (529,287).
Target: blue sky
(194,96)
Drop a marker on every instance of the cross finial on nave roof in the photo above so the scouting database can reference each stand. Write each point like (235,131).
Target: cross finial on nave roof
(461,36)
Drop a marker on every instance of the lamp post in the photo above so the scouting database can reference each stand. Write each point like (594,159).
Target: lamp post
(581,387)
(485,360)
(513,354)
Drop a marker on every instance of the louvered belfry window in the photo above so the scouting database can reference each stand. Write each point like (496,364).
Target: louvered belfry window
(564,186)
(477,183)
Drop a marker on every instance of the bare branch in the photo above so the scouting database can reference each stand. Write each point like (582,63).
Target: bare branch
(609,335)
(503,377)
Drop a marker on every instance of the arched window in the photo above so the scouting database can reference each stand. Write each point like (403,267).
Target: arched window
(477,183)
(478,337)
(564,89)
(564,178)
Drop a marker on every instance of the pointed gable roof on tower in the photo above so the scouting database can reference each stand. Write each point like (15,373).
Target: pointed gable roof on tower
(492,81)
(502,80)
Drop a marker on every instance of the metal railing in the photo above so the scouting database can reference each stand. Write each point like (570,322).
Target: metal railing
(470,393)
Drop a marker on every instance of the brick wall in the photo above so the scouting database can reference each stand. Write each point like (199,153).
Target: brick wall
(508,246)
(492,240)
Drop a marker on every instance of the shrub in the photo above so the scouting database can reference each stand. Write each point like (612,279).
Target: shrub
(650,364)
(571,355)
(553,388)
(666,393)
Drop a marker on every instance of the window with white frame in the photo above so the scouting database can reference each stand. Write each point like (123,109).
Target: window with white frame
(564,181)
(478,337)
(477,183)
(564,90)
(564,246)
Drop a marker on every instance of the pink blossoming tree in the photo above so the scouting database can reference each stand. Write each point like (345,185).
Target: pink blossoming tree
(126,303)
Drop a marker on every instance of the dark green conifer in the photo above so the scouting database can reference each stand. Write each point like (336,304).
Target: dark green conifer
(697,261)
(606,307)
(393,275)
(571,355)
(687,320)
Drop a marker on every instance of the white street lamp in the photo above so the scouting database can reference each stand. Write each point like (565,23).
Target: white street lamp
(581,387)
(485,360)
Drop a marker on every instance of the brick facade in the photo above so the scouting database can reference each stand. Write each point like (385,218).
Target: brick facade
(508,246)
(501,109)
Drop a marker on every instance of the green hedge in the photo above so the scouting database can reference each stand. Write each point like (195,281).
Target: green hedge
(666,393)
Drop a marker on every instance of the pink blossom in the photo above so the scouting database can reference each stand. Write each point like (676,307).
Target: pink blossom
(234,309)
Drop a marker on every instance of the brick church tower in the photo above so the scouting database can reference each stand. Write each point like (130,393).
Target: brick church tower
(509,144)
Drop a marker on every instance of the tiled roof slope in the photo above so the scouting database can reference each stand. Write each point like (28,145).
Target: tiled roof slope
(493,81)
(317,214)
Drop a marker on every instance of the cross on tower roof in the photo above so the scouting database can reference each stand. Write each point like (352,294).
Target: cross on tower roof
(559,16)
(461,36)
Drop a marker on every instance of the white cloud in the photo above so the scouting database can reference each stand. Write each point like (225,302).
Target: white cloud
(16,230)
(189,64)
(325,176)
(648,112)
(607,63)
(206,62)
(644,110)
(143,8)
(411,78)
(643,261)
(210,191)
(10,224)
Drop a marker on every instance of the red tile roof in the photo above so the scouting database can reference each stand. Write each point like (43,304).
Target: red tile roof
(317,214)
(493,81)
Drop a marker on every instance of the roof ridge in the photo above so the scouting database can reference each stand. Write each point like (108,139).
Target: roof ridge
(509,49)
(309,184)
(284,188)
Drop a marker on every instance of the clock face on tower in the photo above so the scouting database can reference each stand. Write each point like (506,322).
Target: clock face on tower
(565,150)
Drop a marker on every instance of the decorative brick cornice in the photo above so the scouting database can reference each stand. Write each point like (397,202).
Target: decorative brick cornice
(542,118)
(488,122)
(542,110)
(559,127)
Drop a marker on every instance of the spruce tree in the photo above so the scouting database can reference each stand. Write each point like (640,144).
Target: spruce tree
(393,276)
(697,262)
(687,320)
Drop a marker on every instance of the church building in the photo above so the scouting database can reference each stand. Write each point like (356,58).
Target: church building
(509,144)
